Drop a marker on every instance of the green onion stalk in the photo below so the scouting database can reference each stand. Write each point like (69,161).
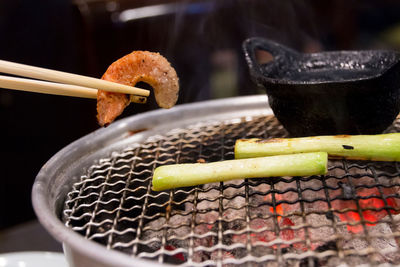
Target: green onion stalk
(191,174)
(381,147)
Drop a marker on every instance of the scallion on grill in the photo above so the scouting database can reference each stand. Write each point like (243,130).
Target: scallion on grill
(381,147)
(191,174)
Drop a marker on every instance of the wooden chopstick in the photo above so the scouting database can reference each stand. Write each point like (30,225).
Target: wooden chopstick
(55,88)
(68,78)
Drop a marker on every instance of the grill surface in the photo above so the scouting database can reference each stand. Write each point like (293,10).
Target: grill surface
(346,217)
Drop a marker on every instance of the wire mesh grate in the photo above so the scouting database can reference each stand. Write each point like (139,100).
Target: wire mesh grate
(349,216)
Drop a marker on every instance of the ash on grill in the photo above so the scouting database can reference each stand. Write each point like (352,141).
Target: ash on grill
(346,217)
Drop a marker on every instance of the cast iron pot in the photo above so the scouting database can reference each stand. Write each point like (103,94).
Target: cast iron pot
(339,92)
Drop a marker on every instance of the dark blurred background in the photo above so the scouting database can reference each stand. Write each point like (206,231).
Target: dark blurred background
(202,40)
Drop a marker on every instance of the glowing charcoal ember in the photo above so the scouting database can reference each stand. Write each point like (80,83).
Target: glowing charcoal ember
(371,209)
(178,256)
(287,234)
(279,211)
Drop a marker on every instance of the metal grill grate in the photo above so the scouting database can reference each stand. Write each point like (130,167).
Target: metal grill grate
(346,217)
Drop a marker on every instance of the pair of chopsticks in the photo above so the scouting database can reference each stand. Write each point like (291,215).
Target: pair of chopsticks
(62,83)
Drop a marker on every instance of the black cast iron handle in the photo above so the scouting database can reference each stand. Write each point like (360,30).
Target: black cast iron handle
(279,52)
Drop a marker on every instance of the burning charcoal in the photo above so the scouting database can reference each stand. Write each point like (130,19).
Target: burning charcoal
(208,198)
(360,193)
(200,256)
(176,258)
(328,261)
(371,205)
(384,243)
(288,212)
(347,191)
(234,188)
(379,243)
(327,246)
(158,232)
(329,215)
(222,255)
(395,223)
(310,261)
(234,203)
(319,231)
